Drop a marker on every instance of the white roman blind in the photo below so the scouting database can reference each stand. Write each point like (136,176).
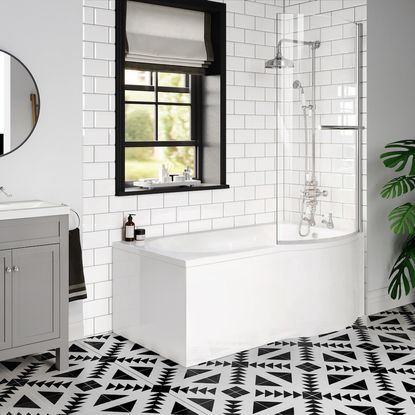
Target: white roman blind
(168,35)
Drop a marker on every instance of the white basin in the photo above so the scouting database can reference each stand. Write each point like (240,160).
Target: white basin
(30,209)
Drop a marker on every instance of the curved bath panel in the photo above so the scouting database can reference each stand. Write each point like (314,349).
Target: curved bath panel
(198,297)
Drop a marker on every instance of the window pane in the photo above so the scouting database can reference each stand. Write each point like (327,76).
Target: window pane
(139,96)
(172,79)
(145,162)
(139,122)
(181,98)
(174,122)
(134,77)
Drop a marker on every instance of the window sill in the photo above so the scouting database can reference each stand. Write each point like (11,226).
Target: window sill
(129,191)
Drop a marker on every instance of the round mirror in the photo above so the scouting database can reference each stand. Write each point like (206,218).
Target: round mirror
(19,103)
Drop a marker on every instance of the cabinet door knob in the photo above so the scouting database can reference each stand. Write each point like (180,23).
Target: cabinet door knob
(16,269)
(8,270)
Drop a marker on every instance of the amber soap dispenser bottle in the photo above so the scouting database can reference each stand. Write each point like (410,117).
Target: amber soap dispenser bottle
(129,229)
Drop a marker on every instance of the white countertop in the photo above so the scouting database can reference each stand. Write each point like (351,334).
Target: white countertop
(31,209)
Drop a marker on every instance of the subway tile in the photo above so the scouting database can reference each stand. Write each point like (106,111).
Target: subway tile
(236,6)
(105,187)
(95,308)
(223,195)
(88,188)
(104,51)
(244,193)
(254,9)
(92,205)
(87,222)
(330,5)
(103,290)
(235,92)
(104,17)
(254,37)
(244,21)
(202,197)
(233,208)
(245,220)
(311,7)
(200,225)
(95,170)
(94,239)
(161,216)
(127,204)
(244,50)
(103,256)
(176,199)
(187,213)
(150,201)
(109,221)
(102,4)
(104,85)
(214,210)
(93,33)
(223,223)
(235,179)
(96,136)
(104,119)
(95,67)
(254,206)
(265,24)
(103,324)
(95,102)
(176,228)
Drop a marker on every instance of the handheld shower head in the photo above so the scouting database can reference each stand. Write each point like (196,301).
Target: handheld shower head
(297,85)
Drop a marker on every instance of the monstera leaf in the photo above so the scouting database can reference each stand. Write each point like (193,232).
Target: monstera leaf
(398,187)
(402,219)
(401,153)
(403,271)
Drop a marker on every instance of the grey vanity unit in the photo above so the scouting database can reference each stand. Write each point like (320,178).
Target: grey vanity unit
(34,280)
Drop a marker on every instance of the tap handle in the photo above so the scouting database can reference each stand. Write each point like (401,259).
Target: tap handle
(3,190)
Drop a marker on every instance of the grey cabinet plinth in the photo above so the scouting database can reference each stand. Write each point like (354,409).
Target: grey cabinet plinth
(34,288)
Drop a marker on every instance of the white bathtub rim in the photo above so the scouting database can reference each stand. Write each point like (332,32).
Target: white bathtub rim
(174,258)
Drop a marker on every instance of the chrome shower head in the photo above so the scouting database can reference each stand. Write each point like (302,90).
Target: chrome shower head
(279,62)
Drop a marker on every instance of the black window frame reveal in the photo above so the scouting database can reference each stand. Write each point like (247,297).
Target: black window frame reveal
(197,89)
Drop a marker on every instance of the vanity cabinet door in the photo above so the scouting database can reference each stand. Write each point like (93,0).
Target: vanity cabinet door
(5,303)
(35,293)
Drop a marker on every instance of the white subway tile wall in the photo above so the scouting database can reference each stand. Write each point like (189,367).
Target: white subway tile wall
(251,136)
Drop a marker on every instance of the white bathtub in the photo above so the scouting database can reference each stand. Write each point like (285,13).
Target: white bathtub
(198,297)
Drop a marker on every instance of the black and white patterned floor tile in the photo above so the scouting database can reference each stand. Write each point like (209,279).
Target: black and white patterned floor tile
(368,368)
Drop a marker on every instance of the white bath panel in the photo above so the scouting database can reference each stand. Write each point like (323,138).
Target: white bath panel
(202,296)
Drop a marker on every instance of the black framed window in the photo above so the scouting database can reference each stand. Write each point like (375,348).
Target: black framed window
(162,123)
(168,114)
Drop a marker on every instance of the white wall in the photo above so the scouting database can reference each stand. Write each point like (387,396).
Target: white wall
(46,35)
(391,91)
(22,87)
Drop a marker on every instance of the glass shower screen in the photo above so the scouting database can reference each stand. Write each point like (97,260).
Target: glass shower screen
(317,66)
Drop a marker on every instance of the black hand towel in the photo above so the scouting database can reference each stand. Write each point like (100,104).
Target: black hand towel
(77,288)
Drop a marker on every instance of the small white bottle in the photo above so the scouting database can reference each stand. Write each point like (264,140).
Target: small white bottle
(162,173)
(187,174)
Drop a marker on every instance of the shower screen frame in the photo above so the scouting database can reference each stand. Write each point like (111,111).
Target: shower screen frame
(358,128)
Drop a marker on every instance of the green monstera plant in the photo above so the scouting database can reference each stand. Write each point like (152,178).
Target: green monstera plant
(400,155)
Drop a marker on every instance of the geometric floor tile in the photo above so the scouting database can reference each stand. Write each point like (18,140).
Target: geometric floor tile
(367,368)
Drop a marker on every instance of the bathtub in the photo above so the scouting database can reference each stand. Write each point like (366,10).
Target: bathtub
(202,296)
